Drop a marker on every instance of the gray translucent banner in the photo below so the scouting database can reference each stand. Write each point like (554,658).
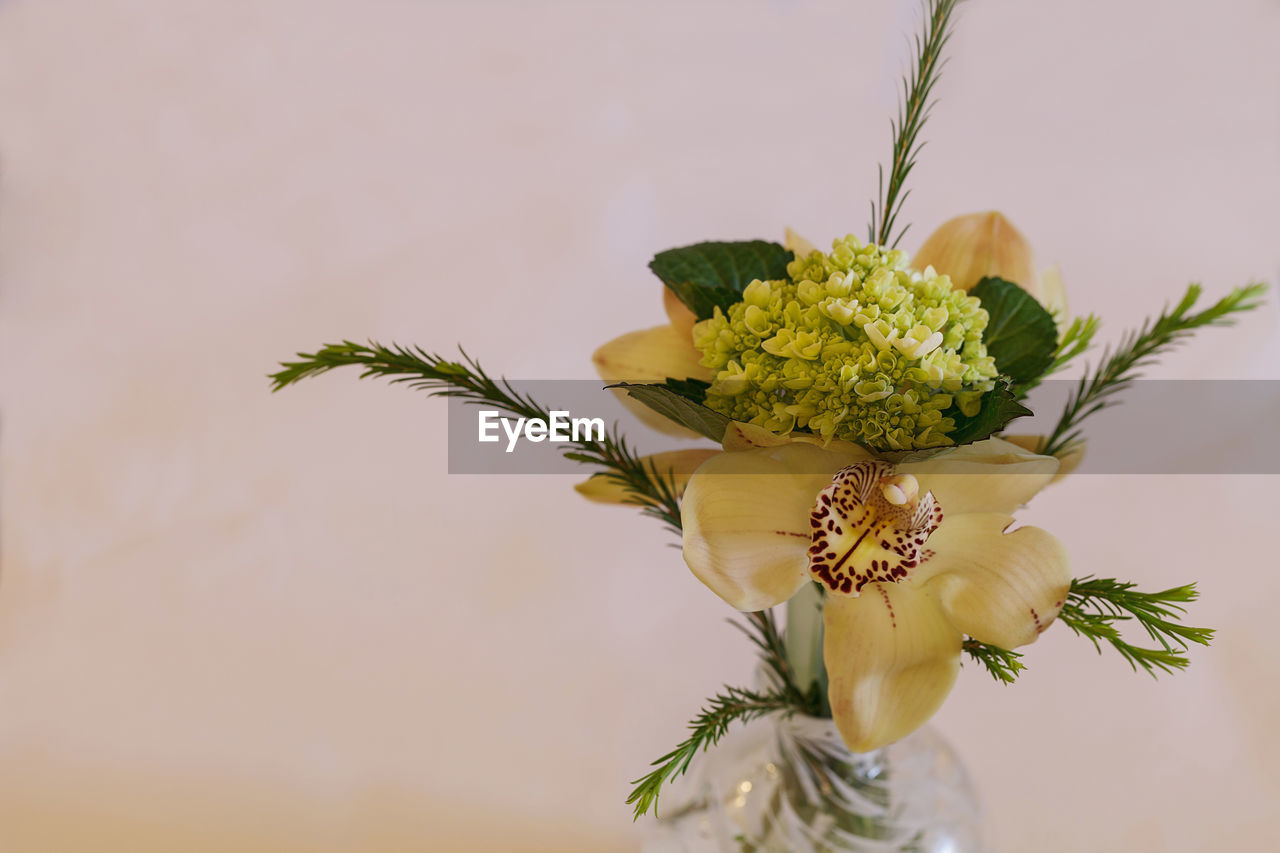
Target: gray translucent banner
(1152,427)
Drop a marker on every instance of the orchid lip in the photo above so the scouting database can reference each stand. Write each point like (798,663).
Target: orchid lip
(869,525)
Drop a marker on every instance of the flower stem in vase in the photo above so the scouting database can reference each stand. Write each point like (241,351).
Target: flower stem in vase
(804,647)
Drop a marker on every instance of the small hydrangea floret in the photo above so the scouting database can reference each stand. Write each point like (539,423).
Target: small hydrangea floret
(855,345)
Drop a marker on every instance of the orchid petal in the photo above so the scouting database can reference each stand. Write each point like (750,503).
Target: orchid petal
(682,319)
(797,244)
(678,464)
(971,247)
(892,657)
(650,355)
(988,476)
(1053,295)
(746,521)
(999,588)
(1068,461)
(745,436)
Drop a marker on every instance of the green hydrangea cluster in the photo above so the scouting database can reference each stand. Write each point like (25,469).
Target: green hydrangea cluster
(855,346)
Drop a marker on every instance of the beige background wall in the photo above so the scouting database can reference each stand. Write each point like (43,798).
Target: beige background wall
(236,621)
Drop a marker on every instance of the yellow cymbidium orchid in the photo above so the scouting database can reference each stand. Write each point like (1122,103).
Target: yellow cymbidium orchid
(912,557)
(973,246)
(653,355)
(666,351)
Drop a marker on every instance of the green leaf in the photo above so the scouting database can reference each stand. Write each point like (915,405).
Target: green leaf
(1021,335)
(692,389)
(710,275)
(681,401)
(999,407)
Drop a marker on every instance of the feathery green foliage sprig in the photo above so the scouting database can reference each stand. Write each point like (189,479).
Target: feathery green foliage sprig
(1096,607)
(762,630)
(1119,367)
(1075,341)
(1077,338)
(917,91)
(735,704)
(1004,665)
(652,490)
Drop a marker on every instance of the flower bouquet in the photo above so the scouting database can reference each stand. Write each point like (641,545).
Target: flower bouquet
(863,467)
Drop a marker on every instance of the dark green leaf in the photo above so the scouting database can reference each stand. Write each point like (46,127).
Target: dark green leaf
(1021,336)
(999,407)
(673,401)
(692,389)
(710,275)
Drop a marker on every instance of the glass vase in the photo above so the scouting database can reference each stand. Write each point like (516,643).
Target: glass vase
(788,784)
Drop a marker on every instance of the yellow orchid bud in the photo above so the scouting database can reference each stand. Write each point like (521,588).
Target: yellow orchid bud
(968,248)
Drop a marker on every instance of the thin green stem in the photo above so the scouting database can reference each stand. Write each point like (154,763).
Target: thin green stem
(762,630)
(1075,341)
(1096,607)
(652,490)
(804,647)
(1005,666)
(1119,368)
(913,111)
(735,704)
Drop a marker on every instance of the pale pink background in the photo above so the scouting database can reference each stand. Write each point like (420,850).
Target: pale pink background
(236,621)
